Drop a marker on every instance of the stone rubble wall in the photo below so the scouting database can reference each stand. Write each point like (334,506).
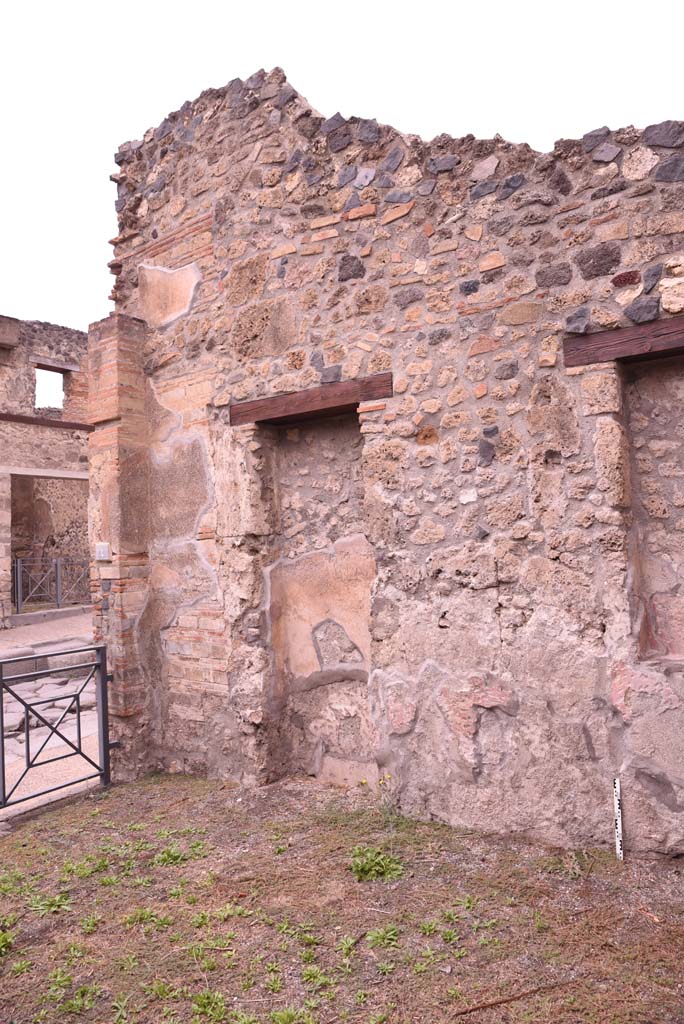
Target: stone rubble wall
(37,341)
(447,593)
(49,518)
(28,446)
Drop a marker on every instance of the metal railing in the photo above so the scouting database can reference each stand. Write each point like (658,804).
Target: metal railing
(34,715)
(59,582)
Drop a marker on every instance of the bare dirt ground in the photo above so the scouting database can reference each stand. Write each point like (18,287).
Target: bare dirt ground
(180,900)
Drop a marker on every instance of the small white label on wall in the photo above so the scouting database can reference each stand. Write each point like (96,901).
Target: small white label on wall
(103,552)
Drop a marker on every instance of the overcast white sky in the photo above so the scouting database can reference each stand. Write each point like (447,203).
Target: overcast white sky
(77,79)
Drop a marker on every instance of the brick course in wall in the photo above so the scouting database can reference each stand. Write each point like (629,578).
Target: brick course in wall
(442,589)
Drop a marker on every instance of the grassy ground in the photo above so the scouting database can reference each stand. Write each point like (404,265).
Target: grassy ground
(182,900)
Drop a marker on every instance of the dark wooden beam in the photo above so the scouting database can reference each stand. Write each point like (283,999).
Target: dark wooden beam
(44,421)
(628,344)
(327,400)
(56,365)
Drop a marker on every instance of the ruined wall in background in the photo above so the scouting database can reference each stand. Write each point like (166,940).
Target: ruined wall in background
(39,342)
(484,512)
(22,516)
(49,518)
(29,446)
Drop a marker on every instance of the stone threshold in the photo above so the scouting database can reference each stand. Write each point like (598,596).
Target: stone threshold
(27,618)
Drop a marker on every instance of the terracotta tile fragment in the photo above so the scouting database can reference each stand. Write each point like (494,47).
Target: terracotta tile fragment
(325,222)
(522,313)
(283,250)
(483,344)
(492,261)
(322,236)
(397,212)
(450,245)
(360,211)
(473,232)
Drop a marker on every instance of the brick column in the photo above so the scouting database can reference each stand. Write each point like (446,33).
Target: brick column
(76,402)
(119,516)
(5,549)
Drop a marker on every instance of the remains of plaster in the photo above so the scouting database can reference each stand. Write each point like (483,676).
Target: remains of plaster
(317,615)
(166,295)
(182,575)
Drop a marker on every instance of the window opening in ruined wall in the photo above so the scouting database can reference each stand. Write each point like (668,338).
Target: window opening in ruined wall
(49,389)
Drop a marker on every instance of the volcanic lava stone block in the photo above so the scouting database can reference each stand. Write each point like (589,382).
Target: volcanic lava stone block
(599,260)
(511,185)
(392,160)
(554,275)
(440,164)
(669,134)
(407,296)
(592,139)
(671,169)
(507,370)
(350,267)
(578,322)
(643,309)
(652,276)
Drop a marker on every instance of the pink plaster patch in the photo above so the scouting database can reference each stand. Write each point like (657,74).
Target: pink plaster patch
(628,683)
(401,713)
(460,707)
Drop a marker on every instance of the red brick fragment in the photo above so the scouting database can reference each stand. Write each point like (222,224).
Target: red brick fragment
(627,277)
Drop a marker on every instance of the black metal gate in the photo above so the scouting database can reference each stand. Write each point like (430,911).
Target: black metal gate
(63,723)
(49,584)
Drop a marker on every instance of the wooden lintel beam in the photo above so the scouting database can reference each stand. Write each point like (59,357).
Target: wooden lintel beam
(628,344)
(326,400)
(43,421)
(56,365)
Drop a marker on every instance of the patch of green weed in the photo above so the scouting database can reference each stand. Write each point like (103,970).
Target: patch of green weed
(368,863)
(387,937)
(42,904)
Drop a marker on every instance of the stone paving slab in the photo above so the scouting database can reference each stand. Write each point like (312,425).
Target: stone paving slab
(57,693)
(58,631)
(45,776)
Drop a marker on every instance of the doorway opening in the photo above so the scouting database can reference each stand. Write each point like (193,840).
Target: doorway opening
(655,397)
(49,542)
(317,605)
